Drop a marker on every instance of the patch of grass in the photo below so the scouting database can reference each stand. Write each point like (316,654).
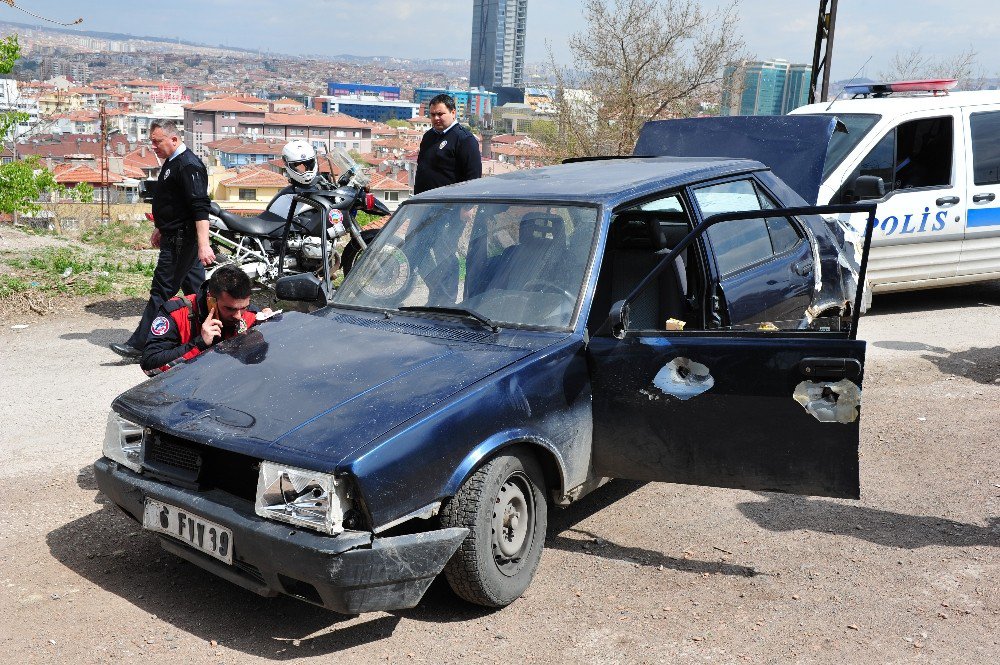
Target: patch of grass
(10,286)
(120,235)
(71,271)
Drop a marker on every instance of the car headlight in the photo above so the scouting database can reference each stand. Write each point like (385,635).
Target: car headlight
(301,497)
(123,442)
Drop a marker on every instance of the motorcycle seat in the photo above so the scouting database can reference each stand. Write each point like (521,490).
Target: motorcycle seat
(267,225)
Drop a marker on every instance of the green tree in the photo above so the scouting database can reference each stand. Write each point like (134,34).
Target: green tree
(640,60)
(396,124)
(22,181)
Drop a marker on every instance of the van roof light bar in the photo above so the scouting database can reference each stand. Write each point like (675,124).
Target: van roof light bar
(934,86)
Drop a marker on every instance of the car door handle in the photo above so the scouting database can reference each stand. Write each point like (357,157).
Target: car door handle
(983,198)
(830,368)
(803,267)
(947,201)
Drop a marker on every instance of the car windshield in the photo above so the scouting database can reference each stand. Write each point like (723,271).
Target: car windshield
(501,263)
(857,124)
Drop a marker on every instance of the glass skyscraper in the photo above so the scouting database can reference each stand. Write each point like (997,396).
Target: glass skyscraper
(498,28)
(769,87)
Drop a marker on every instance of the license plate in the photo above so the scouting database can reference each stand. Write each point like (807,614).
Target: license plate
(199,533)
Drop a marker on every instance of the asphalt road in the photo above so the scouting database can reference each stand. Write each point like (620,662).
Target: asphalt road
(634,573)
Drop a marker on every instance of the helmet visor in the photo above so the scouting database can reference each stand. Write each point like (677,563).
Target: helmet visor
(302,166)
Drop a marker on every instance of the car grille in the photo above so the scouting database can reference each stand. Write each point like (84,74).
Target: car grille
(193,465)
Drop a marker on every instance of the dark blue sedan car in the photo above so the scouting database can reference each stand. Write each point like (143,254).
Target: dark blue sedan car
(505,346)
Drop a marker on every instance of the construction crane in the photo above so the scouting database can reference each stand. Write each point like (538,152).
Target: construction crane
(823,52)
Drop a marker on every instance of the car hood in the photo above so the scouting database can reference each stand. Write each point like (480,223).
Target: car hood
(793,147)
(312,390)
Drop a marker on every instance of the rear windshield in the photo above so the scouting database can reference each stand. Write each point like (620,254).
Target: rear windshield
(841,144)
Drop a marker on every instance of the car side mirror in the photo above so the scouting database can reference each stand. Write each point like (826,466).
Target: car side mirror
(617,321)
(304,287)
(869,187)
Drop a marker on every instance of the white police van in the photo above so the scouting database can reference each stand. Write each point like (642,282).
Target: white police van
(931,159)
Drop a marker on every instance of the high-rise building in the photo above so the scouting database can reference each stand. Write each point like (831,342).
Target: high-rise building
(768,87)
(498,28)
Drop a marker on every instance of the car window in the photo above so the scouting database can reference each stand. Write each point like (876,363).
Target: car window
(842,143)
(519,265)
(913,155)
(736,244)
(985,147)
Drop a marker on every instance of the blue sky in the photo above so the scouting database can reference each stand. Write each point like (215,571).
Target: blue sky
(442,28)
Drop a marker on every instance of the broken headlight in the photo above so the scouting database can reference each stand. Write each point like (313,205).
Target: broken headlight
(301,497)
(123,442)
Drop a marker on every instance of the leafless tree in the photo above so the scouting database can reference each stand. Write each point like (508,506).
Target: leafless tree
(915,64)
(640,60)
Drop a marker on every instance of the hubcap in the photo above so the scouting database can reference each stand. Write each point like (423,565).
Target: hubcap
(512,523)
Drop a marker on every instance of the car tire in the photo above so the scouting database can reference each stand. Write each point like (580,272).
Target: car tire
(503,506)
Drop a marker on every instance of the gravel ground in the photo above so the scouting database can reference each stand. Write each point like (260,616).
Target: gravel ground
(632,574)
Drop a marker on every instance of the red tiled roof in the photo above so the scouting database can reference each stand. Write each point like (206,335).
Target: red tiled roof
(77,173)
(136,158)
(384,182)
(237,146)
(255,177)
(245,99)
(332,121)
(287,101)
(223,104)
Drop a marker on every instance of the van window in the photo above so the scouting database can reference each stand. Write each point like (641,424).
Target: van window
(985,147)
(842,143)
(913,155)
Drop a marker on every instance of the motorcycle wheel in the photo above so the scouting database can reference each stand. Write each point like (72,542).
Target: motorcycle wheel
(352,251)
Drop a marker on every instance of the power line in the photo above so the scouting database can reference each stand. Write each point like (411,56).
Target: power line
(42,18)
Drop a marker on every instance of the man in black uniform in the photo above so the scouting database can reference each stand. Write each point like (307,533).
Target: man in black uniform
(180,213)
(449,153)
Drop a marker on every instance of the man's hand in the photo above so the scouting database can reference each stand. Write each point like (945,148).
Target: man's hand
(205,253)
(154,239)
(211,329)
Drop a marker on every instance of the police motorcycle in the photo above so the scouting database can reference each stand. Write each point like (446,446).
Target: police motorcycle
(299,229)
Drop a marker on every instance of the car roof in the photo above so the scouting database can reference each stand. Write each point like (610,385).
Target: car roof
(897,104)
(605,181)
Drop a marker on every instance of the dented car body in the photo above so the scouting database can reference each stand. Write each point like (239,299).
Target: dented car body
(505,344)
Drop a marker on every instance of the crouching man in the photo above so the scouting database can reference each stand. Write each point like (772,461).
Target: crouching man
(187,325)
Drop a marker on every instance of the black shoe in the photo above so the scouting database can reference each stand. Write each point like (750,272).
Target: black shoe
(127,351)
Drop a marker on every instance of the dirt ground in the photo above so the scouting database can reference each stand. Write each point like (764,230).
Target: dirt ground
(632,574)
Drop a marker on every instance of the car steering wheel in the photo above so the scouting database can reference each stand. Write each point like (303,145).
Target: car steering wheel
(546,286)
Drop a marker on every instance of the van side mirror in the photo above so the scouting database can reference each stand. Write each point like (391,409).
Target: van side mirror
(868,187)
(303,287)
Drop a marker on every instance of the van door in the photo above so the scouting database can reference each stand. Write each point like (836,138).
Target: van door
(981,246)
(920,224)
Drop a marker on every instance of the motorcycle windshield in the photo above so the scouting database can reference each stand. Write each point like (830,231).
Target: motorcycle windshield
(505,264)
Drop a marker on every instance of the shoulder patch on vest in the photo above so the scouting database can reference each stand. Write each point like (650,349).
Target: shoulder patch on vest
(160,326)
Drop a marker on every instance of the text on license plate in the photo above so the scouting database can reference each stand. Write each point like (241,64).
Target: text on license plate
(196,531)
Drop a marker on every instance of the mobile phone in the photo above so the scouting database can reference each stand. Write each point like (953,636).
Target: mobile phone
(211,302)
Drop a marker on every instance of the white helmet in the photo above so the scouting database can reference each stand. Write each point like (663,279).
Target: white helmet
(300,161)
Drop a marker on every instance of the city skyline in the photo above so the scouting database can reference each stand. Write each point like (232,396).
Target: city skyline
(402,29)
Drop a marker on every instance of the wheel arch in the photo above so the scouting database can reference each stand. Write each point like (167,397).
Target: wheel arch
(547,456)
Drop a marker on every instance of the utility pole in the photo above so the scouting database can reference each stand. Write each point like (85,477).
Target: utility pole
(825,25)
(105,171)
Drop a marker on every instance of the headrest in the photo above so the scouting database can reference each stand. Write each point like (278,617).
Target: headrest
(542,228)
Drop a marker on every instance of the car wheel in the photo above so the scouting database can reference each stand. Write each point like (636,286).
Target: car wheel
(503,506)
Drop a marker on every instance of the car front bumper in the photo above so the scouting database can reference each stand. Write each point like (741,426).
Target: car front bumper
(351,573)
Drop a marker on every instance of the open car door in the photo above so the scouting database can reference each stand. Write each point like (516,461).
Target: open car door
(774,410)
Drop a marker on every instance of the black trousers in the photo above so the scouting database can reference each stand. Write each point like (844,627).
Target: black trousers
(177,268)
